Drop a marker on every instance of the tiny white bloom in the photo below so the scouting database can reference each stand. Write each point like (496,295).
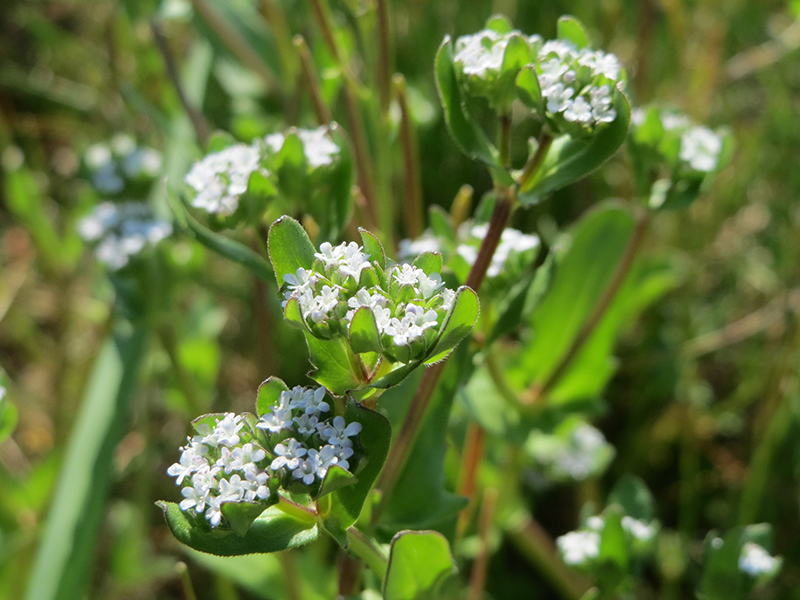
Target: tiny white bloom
(755,560)
(578,547)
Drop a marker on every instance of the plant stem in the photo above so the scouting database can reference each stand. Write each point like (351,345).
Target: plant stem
(290,575)
(536,545)
(384,73)
(321,110)
(504,140)
(477,579)
(349,569)
(243,51)
(462,204)
(535,162)
(593,320)
(201,128)
(186,581)
(398,453)
(411,172)
(295,510)
(276,19)
(368,551)
(471,458)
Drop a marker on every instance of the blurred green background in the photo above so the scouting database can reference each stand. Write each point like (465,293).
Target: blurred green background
(706,402)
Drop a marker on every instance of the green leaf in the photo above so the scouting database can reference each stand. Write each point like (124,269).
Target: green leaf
(364,334)
(420,563)
(334,364)
(391,378)
(572,30)
(510,309)
(722,579)
(335,479)
(293,314)
(289,248)
(572,159)
(220,140)
(64,556)
(8,411)
(632,495)
(272,531)
(528,89)
(470,138)
(230,249)
(241,515)
(613,548)
(441,223)
(347,502)
(499,23)
(421,499)
(269,394)
(430,262)
(583,269)
(373,247)
(457,324)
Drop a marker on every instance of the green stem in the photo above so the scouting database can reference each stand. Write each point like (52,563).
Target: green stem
(297,511)
(186,581)
(384,74)
(368,551)
(291,577)
(321,110)
(537,546)
(531,168)
(169,341)
(504,140)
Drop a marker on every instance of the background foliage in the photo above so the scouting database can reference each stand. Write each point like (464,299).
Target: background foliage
(704,404)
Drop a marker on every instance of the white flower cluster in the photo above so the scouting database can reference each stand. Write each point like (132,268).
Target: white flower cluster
(318,148)
(121,230)
(220,178)
(755,560)
(333,291)
(111,164)
(581,453)
(638,529)
(317,439)
(512,242)
(220,468)
(579,547)
(230,462)
(700,147)
(577,83)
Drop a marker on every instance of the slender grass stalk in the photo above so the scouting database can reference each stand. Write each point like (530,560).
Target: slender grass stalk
(202,129)
(538,547)
(63,558)
(243,51)
(462,204)
(477,579)
(598,312)
(349,570)
(309,72)
(384,68)
(368,551)
(412,180)
(291,577)
(186,581)
(275,17)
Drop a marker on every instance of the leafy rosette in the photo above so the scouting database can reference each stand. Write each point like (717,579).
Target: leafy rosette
(368,321)
(575,91)
(313,173)
(674,159)
(305,461)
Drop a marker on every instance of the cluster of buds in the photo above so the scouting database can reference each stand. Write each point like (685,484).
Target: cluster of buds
(307,169)
(121,165)
(120,231)
(514,253)
(404,305)
(236,459)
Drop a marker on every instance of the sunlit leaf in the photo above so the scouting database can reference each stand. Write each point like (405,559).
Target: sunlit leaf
(420,563)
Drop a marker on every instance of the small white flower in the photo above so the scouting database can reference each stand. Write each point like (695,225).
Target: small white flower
(226,431)
(245,455)
(306,424)
(339,432)
(558,97)
(406,274)
(578,547)
(410,249)
(480,53)
(755,560)
(194,498)
(364,299)
(231,490)
(307,468)
(579,111)
(289,455)
(221,177)
(97,155)
(214,511)
(448,296)
(276,420)
(429,284)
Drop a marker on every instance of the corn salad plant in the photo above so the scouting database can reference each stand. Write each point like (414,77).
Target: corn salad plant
(429,374)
